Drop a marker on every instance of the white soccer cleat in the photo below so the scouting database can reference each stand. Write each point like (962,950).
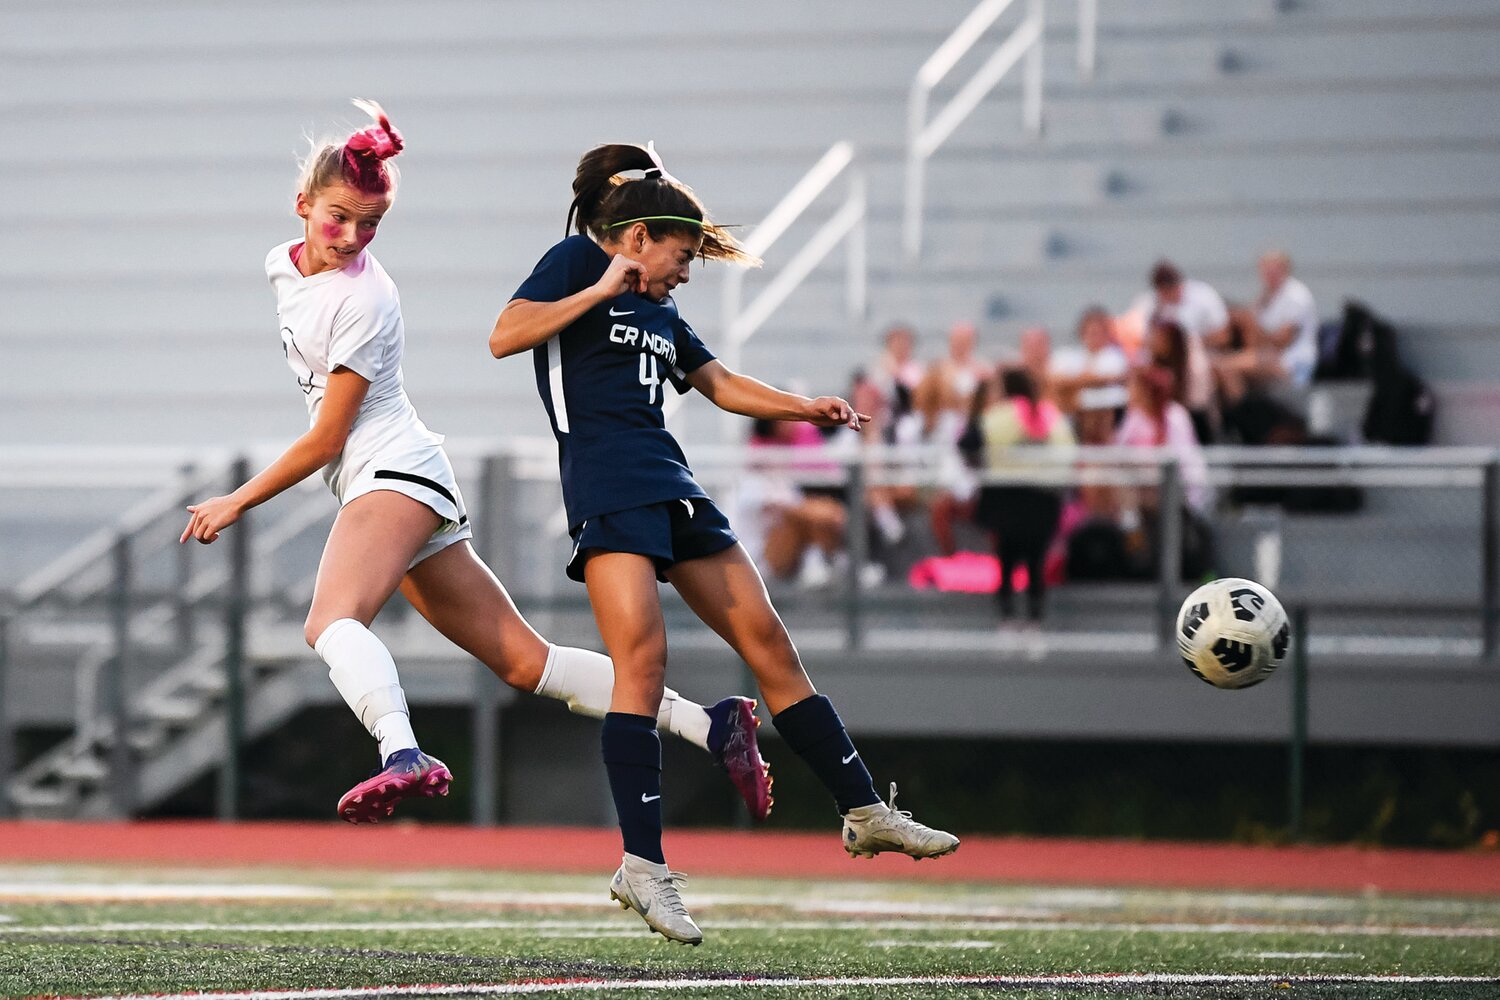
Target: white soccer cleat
(650,889)
(870,830)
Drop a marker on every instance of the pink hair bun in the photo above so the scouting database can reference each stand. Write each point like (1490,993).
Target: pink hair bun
(366,150)
(380,141)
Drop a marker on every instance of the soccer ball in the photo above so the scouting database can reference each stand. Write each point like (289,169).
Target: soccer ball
(1232,633)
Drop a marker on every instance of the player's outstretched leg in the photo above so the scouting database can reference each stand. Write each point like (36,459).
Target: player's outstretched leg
(406,773)
(726,591)
(457,593)
(814,731)
(374,538)
(727,729)
(733,742)
(874,829)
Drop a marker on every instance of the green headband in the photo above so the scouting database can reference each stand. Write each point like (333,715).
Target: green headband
(656,218)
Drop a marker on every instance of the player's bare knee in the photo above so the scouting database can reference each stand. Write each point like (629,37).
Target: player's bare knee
(313,628)
(318,621)
(520,666)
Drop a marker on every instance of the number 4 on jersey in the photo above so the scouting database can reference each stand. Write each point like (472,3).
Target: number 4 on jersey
(649,377)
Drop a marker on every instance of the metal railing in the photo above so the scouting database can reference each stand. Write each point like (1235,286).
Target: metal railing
(847,225)
(1088,35)
(128,605)
(924,137)
(137,615)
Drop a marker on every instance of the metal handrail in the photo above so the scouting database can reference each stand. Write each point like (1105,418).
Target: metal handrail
(924,137)
(741,321)
(89,555)
(1088,33)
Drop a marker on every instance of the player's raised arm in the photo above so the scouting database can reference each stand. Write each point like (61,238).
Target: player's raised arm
(524,324)
(751,397)
(322,443)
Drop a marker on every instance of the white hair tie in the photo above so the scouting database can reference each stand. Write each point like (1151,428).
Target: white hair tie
(658,170)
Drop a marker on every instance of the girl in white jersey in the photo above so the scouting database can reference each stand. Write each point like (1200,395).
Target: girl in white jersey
(401,520)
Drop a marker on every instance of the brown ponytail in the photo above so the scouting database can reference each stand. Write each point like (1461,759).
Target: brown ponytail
(603,201)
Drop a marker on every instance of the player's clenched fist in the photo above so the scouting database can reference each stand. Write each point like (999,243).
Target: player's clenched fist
(209,518)
(623,275)
(831,411)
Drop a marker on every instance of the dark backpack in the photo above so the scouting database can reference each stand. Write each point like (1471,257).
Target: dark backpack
(1401,409)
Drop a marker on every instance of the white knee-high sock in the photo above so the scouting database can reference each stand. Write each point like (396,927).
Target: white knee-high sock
(362,669)
(586,680)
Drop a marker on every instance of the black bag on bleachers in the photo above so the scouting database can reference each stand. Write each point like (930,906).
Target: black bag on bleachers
(1097,551)
(1259,419)
(1362,336)
(1401,407)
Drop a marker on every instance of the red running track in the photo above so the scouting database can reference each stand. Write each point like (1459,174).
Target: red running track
(784,855)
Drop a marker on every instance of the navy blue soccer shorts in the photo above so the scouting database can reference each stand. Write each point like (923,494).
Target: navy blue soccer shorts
(667,533)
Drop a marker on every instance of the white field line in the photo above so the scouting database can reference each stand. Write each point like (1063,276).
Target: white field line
(158,891)
(968,926)
(1039,904)
(505,897)
(599,985)
(871,907)
(1299,954)
(959,944)
(896,907)
(588,935)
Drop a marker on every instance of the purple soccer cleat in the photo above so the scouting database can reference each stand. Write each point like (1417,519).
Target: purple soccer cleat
(406,773)
(732,741)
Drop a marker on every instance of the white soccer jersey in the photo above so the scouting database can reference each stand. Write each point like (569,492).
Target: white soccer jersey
(351,318)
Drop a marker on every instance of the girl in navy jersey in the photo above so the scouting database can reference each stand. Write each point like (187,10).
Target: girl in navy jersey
(606,339)
(401,520)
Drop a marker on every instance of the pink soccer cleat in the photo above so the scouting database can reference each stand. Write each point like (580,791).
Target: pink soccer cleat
(732,741)
(406,773)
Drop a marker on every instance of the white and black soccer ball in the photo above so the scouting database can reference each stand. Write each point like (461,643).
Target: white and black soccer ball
(1232,633)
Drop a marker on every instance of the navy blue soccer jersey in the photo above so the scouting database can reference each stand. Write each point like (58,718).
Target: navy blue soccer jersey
(603,378)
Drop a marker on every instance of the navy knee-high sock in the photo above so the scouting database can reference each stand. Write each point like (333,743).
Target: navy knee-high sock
(632,758)
(815,733)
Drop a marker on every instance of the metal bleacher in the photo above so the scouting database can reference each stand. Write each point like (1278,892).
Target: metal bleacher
(150,161)
(154,158)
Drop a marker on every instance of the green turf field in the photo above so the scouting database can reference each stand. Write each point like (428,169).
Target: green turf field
(89,931)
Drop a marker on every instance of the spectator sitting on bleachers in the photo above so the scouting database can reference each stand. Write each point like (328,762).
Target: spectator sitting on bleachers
(1200,310)
(943,395)
(1280,334)
(885,501)
(1036,359)
(1022,516)
(1167,346)
(1154,419)
(790,533)
(1088,381)
(943,398)
(897,375)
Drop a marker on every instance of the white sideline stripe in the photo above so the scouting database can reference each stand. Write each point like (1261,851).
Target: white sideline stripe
(933,944)
(992,926)
(1037,904)
(600,985)
(158,891)
(588,935)
(1302,954)
(873,907)
(504,897)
